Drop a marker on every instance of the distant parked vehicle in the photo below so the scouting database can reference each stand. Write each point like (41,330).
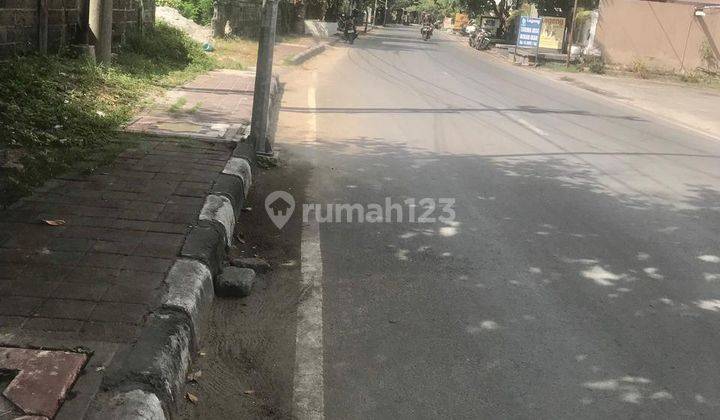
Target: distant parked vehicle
(482,40)
(471,30)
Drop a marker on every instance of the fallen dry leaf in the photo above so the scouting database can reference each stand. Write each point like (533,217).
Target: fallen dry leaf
(194,376)
(192,398)
(58,222)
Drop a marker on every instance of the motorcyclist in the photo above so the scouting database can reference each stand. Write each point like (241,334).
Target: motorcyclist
(426,25)
(346,24)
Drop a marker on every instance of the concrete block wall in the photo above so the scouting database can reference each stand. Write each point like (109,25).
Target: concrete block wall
(19,23)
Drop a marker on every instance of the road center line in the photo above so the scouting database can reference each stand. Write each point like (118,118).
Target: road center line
(530,127)
(308,400)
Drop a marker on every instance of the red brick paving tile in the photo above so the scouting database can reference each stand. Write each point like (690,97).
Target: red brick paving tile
(104,260)
(138,278)
(87,232)
(144,206)
(29,287)
(11,321)
(144,215)
(70,244)
(6,287)
(19,305)
(65,309)
(192,189)
(161,237)
(109,331)
(178,218)
(181,209)
(120,195)
(132,294)
(53,324)
(118,312)
(124,248)
(43,378)
(97,222)
(48,272)
(45,256)
(156,250)
(13,256)
(93,275)
(11,271)
(27,240)
(85,291)
(151,264)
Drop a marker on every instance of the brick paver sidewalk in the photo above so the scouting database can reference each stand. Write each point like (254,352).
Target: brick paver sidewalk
(214,106)
(89,281)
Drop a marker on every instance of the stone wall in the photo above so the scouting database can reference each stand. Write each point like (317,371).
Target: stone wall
(19,23)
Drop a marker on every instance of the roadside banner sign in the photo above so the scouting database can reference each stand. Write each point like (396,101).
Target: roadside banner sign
(553,32)
(490,24)
(529,35)
(529,32)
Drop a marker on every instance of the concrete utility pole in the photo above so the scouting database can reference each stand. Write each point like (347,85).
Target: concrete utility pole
(101,19)
(570,37)
(386,13)
(263,78)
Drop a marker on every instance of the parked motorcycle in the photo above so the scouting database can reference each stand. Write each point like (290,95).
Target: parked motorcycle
(479,39)
(471,30)
(426,32)
(346,25)
(482,40)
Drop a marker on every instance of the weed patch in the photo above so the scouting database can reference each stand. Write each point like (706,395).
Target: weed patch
(58,112)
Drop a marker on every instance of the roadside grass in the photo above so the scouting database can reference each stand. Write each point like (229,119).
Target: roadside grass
(178,105)
(561,67)
(235,53)
(241,53)
(640,70)
(59,114)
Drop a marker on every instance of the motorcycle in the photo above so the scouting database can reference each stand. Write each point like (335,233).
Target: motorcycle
(426,32)
(346,25)
(470,30)
(479,39)
(482,41)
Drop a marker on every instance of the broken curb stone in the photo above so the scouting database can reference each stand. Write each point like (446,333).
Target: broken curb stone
(235,282)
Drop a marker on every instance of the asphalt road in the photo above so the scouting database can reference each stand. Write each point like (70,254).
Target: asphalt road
(580,277)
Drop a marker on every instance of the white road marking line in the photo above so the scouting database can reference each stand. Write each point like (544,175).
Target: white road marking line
(530,127)
(308,403)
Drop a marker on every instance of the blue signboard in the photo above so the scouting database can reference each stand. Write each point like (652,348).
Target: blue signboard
(529,32)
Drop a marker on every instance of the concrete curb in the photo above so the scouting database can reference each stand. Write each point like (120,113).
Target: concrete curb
(146,380)
(311,52)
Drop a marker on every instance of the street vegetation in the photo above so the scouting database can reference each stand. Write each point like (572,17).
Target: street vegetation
(58,112)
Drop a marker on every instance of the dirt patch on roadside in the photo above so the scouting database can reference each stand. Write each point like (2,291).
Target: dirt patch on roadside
(247,369)
(591,88)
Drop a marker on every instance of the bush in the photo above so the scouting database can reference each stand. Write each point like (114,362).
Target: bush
(159,51)
(57,111)
(640,68)
(595,64)
(691,77)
